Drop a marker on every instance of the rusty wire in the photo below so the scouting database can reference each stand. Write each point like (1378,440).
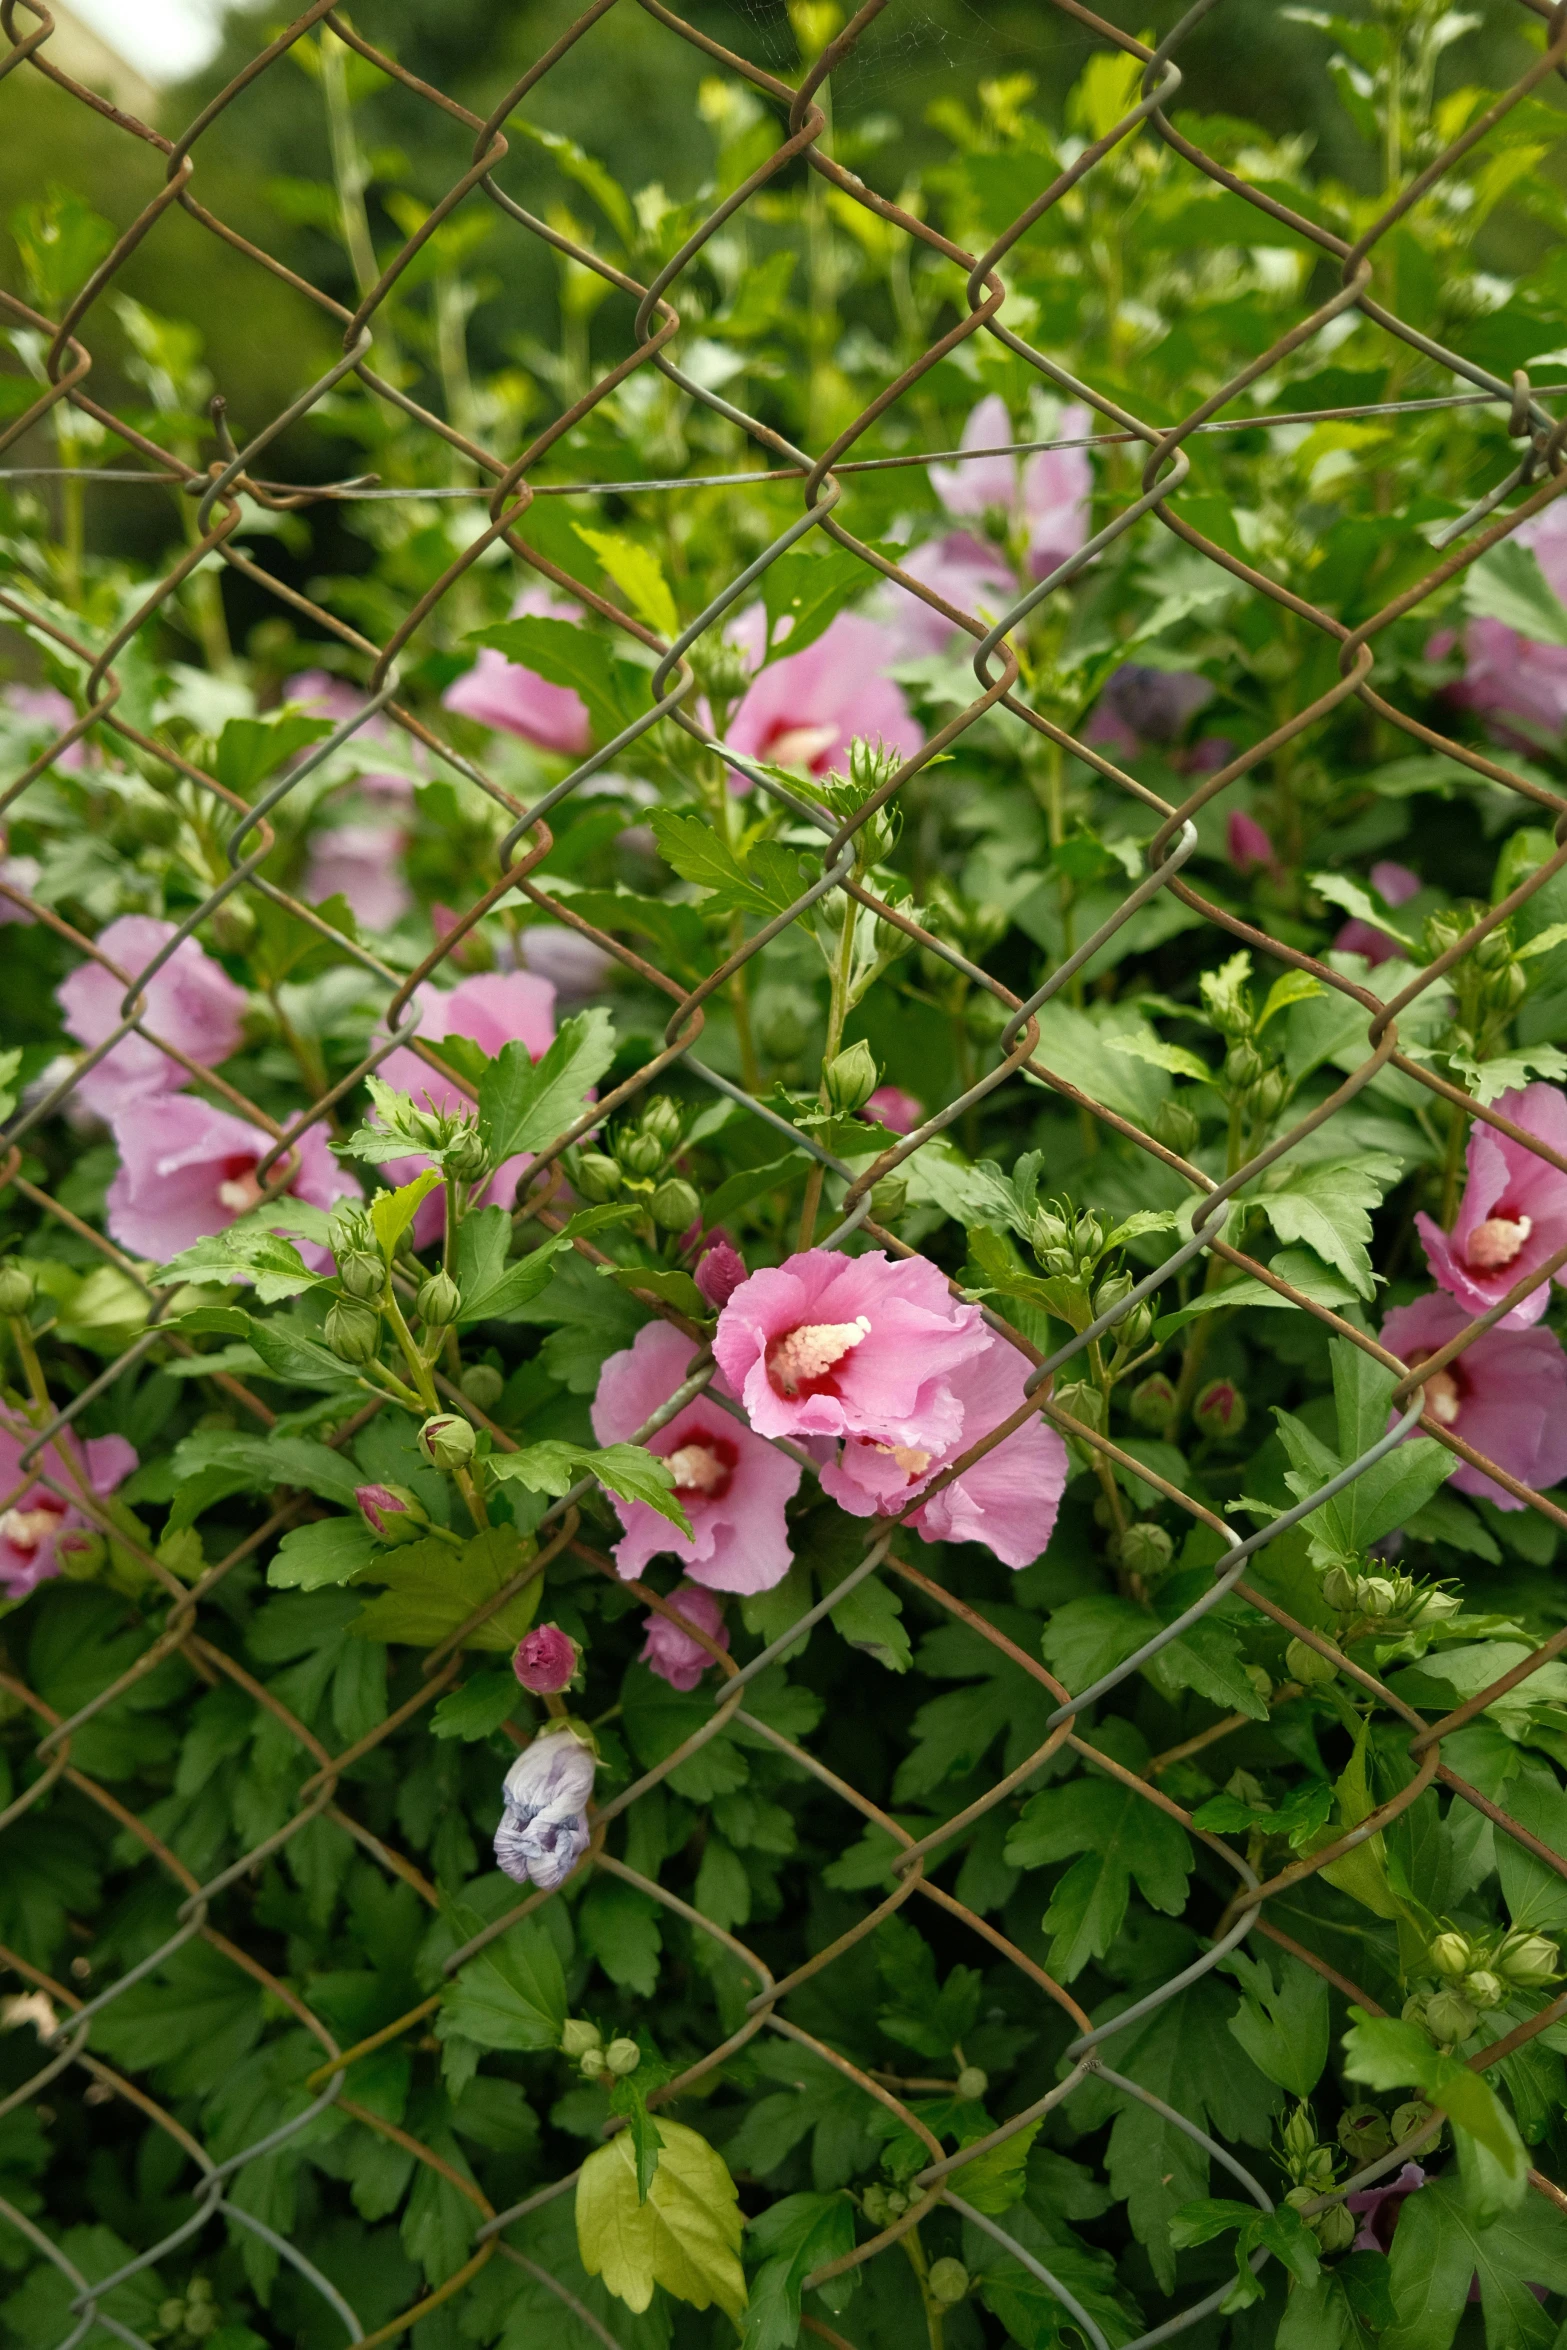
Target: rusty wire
(524,851)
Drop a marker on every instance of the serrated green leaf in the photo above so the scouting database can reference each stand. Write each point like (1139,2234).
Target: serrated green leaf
(1282,2020)
(1121,1837)
(1160,1055)
(1291,987)
(685,2236)
(1327,1205)
(1340,890)
(434,1587)
(512,1995)
(391,1212)
(636,571)
(554,1466)
(565,653)
(524,1104)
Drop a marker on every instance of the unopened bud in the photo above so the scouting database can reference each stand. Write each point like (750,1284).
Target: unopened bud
(640,1154)
(362,1274)
(348,1228)
(783,1022)
(546,1660)
(948,2281)
(972,2083)
(591,2063)
(466,1156)
(622,2057)
(599,1177)
(1376,1596)
(1258,1676)
(233,927)
(391,1512)
(1177,1128)
(1406,2120)
(577,2036)
(17,1288)
(1450,1955)
(483,1385)
(1303,1664)
(1270,1093)
(1450,2018)
(1144,1548)
(1243,1065)
(1436,1607)
(1529,1960)
(874,2204)
(1338,1589)
(1220,1410)
(81,1553)
(897,2203)
(850,1078)
(447,1440)
(1081,1399)
(889,1198)
(1112,1291)
(676,1205)
(1483,1989)
(661,1120)
(1335,2228)
(1363,2133)
(353,1330)
(439,1301)
(1299,2134)
(1152,1401)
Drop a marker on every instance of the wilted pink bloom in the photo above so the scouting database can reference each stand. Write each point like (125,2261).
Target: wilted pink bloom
(1514,1210)
(1247,845)
(47,710)
(891,1107)
(1045,497)
(362,864)
(730,1484)
(720,1273)
(1378,2208)
(805,709)
(1509,676)
(827,1345)
(1007,1500)
(31,1525)
(1506,1394)
(1395,885)
(329,697)
(543,1830)
(187,1169)
(191,1003)
(546,1660)
(1140,705)
(498,692)
(495,1008)
(672,1654)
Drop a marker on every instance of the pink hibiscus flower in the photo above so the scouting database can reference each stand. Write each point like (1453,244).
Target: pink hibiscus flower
(672,1654)
(328,697)
(1044,497)
(826,1345)
(1249,848)
(731,1485)
(362,864)
(495,1008)
(965,572)
(891,1107)
(1506,1394)
(191,1003)
(498,692)
(32,1522)
(1513,1214)
(187,1169)
(1508,676)
(1008,1499)
(46,710)
(1378,2208)
(805,709)
(1395,885)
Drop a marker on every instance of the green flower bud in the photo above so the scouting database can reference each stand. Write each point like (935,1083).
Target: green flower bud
(1259,1678)
(1303,1664)
(1494,951)
(850,1078)
(972,2083)
(1376,1596)
(1338,1589)
(1316,2168)
(1334,2228)
(675,1205)
(1483,1989)
(349,1228)
(1049,1233)
(1449,2018)
(17,1288)
(640,1154)
(1363,2133)
(447,1440)
(1406,2120)
(1177,1128)
(439,1301)
(577,2036)
(1529,1960)
(661,1120)
(874,2204)
(483,1385)
(1270,1093)
(1144,1549)
(784,1018)
(1450,1954)
(353,1330)
(622,2057)
(1111,1292)
(592,2063)
(948,2280)
(598,1176)
(1220,1410)
(1082,1400)
(83,1553)
(889,1198)
(362,1274)
(391,1512)
(1436,1607)
(1243,1065)
(897,2203)
(233,926)
(466,1156)
(1299,2134)
(1152,1401)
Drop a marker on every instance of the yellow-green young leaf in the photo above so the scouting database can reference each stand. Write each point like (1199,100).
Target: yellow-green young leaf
(685,2237)
(1293,988)
(391,1212)
(635,571)
(1159,1055)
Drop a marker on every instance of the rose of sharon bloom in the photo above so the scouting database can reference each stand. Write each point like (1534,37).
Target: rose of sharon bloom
(825,1345)
(495,1008)
(1008,1499)
(1513,1214)
(498,692)
(187,1169)
(1378,2208)
(543,1830)
(1045,496)
(192,1003)
(672,1654)
(360,863)
(32,1523)
(546,1660)
(805,709)
(1395,885)
(46,709)
(891,1107)
(1506,1394)
(1248,847)
(1508,676)
(20,874)
(730,1484)
(329,697)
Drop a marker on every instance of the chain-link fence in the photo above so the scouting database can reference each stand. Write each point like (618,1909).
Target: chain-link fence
(193,1625)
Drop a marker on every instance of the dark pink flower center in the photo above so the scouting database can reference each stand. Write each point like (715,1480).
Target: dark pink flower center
(1446,1391)
(28,1529)
(791,742)
(238,1189)
(703,1465)
(803,1360)
(1493,1245)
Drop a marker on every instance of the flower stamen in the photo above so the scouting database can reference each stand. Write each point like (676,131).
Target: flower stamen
(1493,1245)
(812,1351)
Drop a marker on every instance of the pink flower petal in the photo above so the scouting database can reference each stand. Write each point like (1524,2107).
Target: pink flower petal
(191,1003)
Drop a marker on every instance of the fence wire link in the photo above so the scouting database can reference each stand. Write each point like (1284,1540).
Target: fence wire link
(191,1628)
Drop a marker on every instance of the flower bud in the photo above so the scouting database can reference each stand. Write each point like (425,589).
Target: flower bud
(447,1441)
(598,1176)
(1483,1989)
(640,1154)
(1049,1233)
(1303,1664)
(1299,2134)
(577,2036)
(897,2203)
(676,1205)
(1334,2228)
(1406,2120)
(972,2083)
(1529,1960)
(348,1228)
(850,1078)
(1144,1548)
(1376,1596)
(783,1019)
(1363,2133)
(1112,1291)
(82,1553)
(1449,2018)
(1177,1128)
(1152,1401)
(546,1660)
(233,926)
(1338,1589)
(439,1301)
(889,1199)
(948,2280)
(1220,1410)
(719,1274)
(592,2063)
(874,2204)
(1081,1399)
(1243,1065)
(362,1275)
(661,1120)
(16,1288)
(483,1385)
(622,2057)
(391,1512)
(1450,1954)
(353,1330)
(1260,1680)
(466,1156)
(1436,1607)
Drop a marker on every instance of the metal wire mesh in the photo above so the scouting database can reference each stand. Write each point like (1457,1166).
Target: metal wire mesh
(523,866)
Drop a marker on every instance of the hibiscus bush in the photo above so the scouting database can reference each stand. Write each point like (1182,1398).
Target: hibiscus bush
(783,1424)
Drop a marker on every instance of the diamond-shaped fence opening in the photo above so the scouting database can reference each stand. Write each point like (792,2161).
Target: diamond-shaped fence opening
(195,1908)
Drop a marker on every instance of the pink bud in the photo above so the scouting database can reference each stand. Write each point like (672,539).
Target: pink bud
(382,1506)
(546,1660)
(720,1274)
(1248,845)
(891,1107)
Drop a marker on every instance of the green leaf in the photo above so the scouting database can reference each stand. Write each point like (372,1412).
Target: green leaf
(1507,584)
(870,1618)
(1340,890)
(810,586)
(630,1470)
(993,2182)
(253,1249)
(619,1926)
(667,1283)
(512,1995)
(251,749)
(259,1464)
(685,2237)
(475,1709)
(1387,2053)
(434,1588)
(1441,2246)
(636,572)
(1283,2024)
(332,1550)
(524,1104)
(292,1352)
(10,1062)
(1122,1837)
(567,654)
(792,2237)
(1326,1205)
(1292,987)
(765,883)
(1283,2231)
(577,164)
(391,1212)
(1159,1055)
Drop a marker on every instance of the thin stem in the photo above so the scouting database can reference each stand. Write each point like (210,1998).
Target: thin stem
(21,1332)
(348,164)
(412,1354)
(935,2315)
(837,1010)
(464,1481)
